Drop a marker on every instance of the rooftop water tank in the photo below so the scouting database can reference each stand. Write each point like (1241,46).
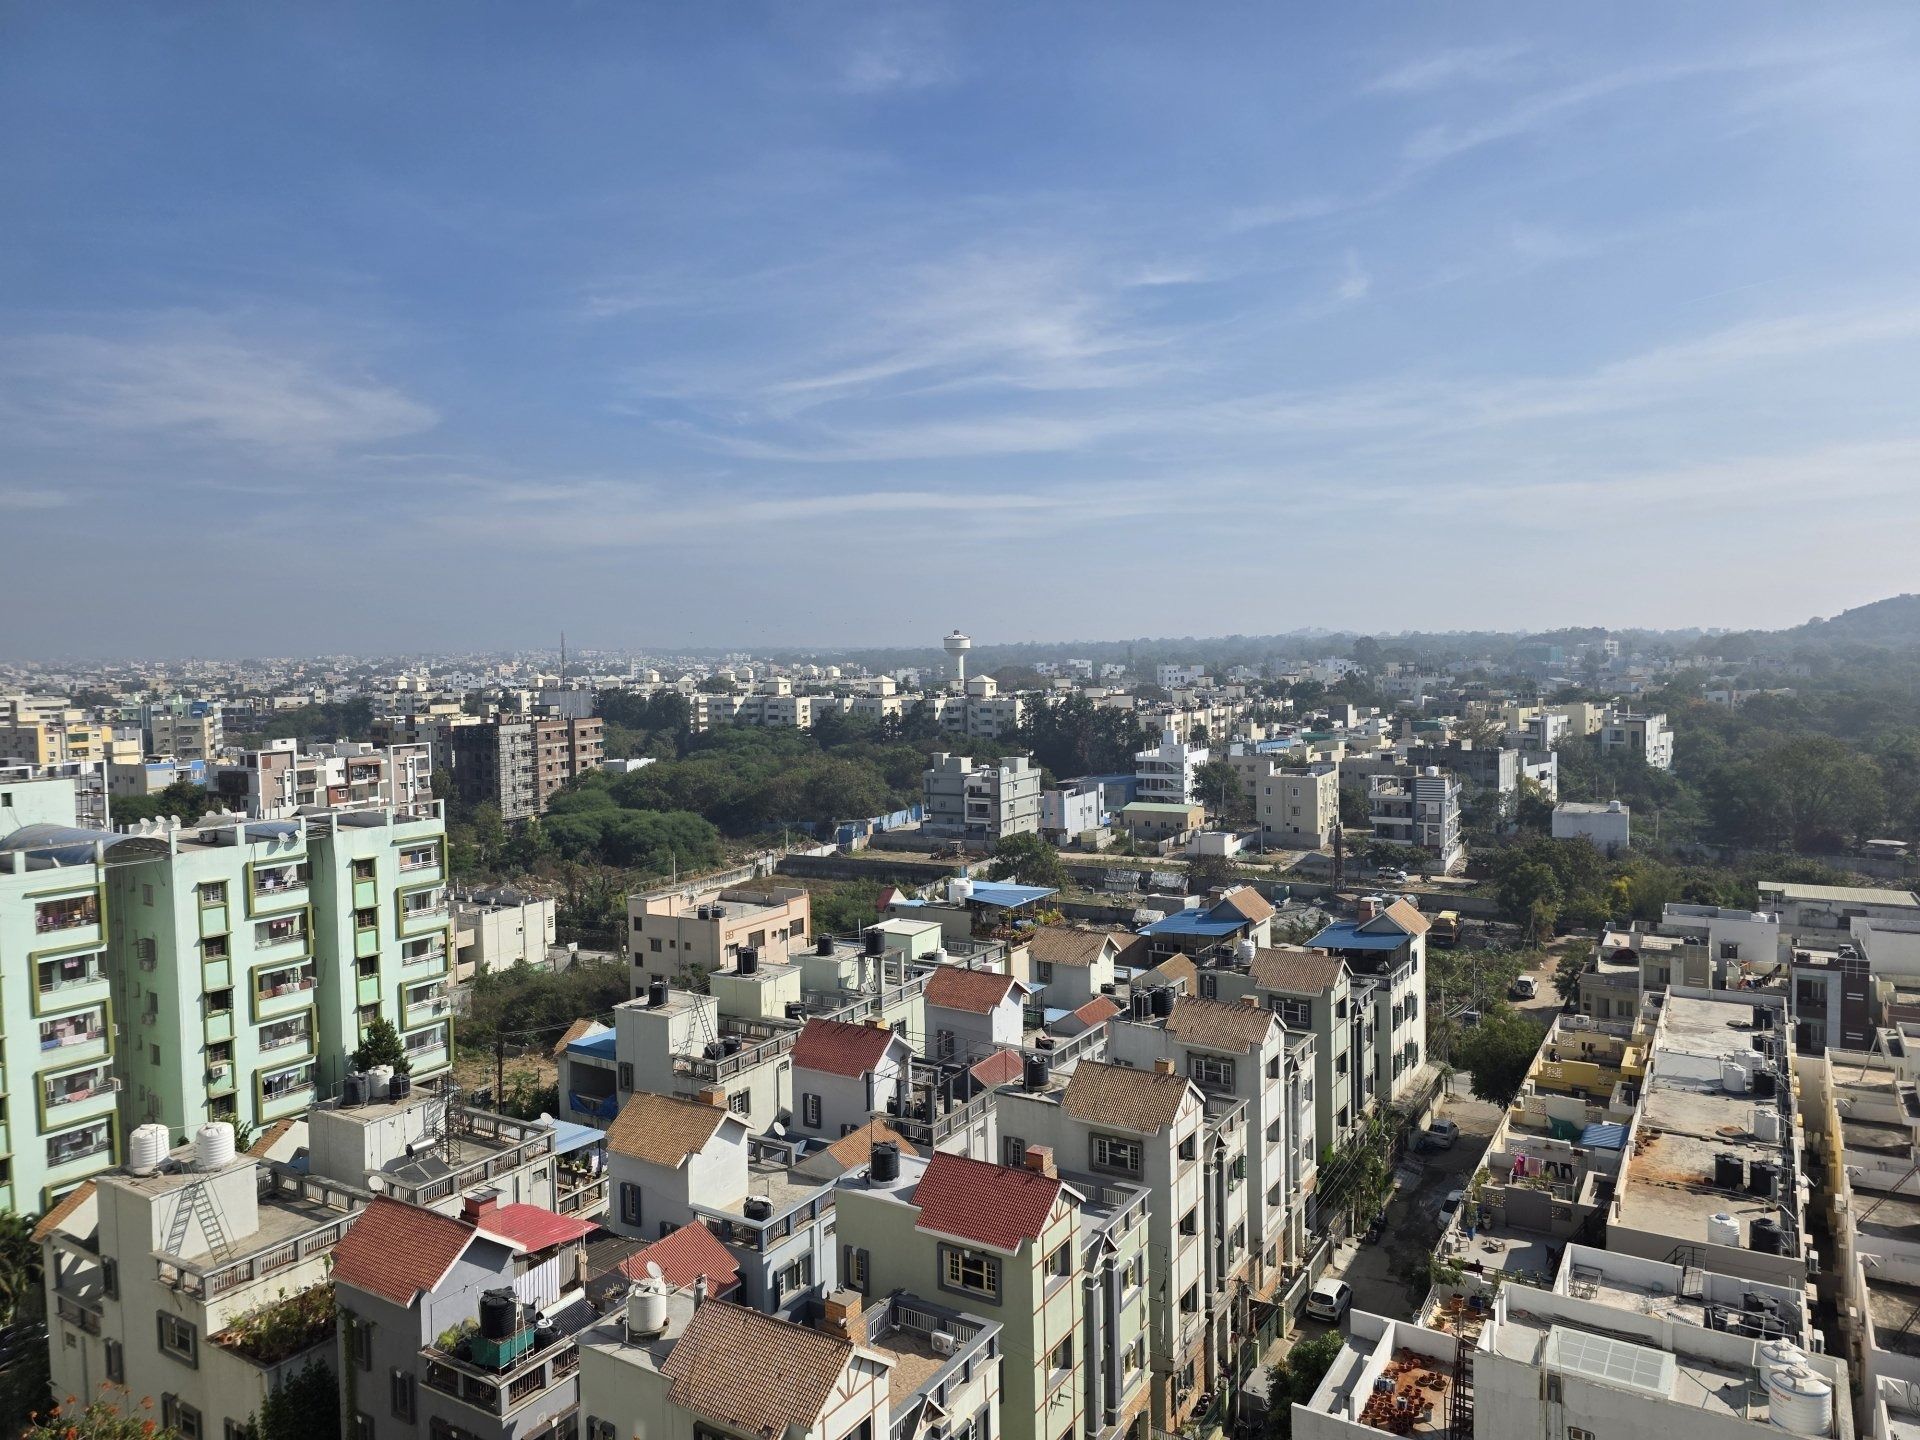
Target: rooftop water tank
(213,1146)
(1723,1229)
(1729,1171)
(380,1082)
(647,1309)
(1163,1001)
(1799,1401)
(823,945)
(1246,950)
(747,961)
(656,995)
(147,1148)
(1733,1076)
(1765,1237)
(1036,1072)
(876,941)
(499,1313)
(353,1091)
(1766,1124)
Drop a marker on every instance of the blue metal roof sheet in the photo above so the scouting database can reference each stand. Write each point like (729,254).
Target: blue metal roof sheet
(1604,1135)
(1005,895)
(599,1046)
(1346,935)
(1192,922)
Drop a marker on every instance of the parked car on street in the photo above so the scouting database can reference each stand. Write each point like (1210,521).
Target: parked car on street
(1442,1134)
(1392,876)
(1329,1300)
(1523,988)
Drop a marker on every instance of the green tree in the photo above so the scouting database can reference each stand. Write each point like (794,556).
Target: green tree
(489,833)
(1497,1053)
(382,1046)
(1209,872)
(20,1265)
(304,1406)
(1295,1378)
(1219,788)
(111,1414)
(1029,860)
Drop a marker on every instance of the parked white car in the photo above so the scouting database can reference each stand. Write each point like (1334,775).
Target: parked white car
(1329,1300)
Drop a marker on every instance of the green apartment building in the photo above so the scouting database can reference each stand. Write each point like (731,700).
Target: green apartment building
(247,959)
(58,1100)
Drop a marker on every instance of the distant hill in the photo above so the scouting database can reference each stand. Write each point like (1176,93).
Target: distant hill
(1893,622)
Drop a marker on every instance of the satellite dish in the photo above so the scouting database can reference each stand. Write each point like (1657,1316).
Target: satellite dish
(377,1183)
(779,1129)
(654,1272)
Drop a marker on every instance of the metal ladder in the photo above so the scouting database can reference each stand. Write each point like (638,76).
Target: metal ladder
(1460,1397)
(197,1204)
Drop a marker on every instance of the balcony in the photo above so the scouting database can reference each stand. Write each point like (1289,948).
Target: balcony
(419,859)
(68,1099)
(281,993)
(501,1392)
(278,887)
(76,1037)
(275,938)
(426,1009)
(72,980)
(54,917)
(424,1047)
(287,1093)
(92,1144)
(421,909)
(286,1034)
(430,955)
(80,1311)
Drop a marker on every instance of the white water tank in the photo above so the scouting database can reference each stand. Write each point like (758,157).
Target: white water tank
(960,891)
(1766,1124)
(647,1308)
(937,956)
(1733,1076)
(1799,1401)
(380,1078)
(213,1146)
(1246,950)
(147,1147)
(1777,1352)
(1723,1229)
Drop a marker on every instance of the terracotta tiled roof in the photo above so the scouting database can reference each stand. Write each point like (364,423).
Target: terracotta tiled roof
(271,1136)
(1133,950)
(683,1257)
(954,988)
(664,1130)
(753,1373)
(1407,917)
(1002,1067)
(396,1251)
(533,1227)
(1248,903)
(836,1047)
(573,1033)
(1070,945)
(996,1205)
(1220,1026)
(856,1146)
(62,1208)
(1296,971)
(1176,967)
(1096,1010)
(1144,1101)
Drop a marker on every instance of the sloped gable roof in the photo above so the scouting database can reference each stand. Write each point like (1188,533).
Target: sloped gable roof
(999,1206)
(683,1257)
(753,1373)
(663,1129)
(838,1047)
(1144,1101)
(978,991)
(1296,971)
(1072,946)
(397,1251)
(1218,1025)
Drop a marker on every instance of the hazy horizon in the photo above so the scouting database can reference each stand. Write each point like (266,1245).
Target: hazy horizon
(416,329)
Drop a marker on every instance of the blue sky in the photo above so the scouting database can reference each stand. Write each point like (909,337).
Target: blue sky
(398,327)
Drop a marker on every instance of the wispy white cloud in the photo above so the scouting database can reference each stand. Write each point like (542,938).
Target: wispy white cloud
(903,50)
(199,384)
(31,497)
(1354,283)
(1443,69)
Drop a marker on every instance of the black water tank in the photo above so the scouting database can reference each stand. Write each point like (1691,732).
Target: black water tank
(499,1313)
(400,1086)
(1763,1017)
(1767,1237)
(730,1045)
(713,1049)
(1109,989)
(1729,1172)
(1762,1082)
(823,945)
(1163,1001)
(656,994)
(1763,1178)
(1760,1043)
(876,941)
(758,1207)
(796,1010)
(1036,1072)
(353,1091)
(747,962)
(883,1162)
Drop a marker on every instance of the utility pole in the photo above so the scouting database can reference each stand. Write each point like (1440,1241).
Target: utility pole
(499,1069)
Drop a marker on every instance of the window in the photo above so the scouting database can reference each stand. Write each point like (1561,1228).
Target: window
(368,919)
(654,945)
(110,1278)
(1062,1356)
(1209,985)
(1043,972)
(213,892)
(1574,1432)
(176,1414)
(1189,1148)
(363,869)
(362,1331)
(1013,1151)
(1060,1262)
(1190,1302)
(629,1203)
(797,1276)
(116,1363)
(362,1427)
(146,894)
(854,1265)
(1210,1072)
(1111,1152)
(234,1430)
(1190,1222)
(740,1102)
(598,1429)
(971,1271)
(1294,1014)
(403,1396)
(179,1339)
(626,1075)
(810,1111)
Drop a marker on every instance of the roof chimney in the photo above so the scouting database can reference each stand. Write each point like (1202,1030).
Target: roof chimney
(1367,908)
(838,1312)
(1251,999)
(699,1291)
(478,1204)
(1039,1159)
(1163,1066)
(713,1095)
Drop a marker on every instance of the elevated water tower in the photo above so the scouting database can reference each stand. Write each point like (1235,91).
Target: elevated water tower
(957,646)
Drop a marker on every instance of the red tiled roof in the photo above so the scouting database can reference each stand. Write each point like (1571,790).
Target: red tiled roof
(1096,1010)
(954,988)
(63,1207)
(532,1227)
(396,1250)
(683,1257)
(836,1047)
(993,1205)
(1002,1067)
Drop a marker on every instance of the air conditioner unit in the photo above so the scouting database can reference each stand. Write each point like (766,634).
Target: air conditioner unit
(943,1342)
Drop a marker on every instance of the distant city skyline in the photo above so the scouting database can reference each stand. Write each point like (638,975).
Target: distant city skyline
(378,329)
